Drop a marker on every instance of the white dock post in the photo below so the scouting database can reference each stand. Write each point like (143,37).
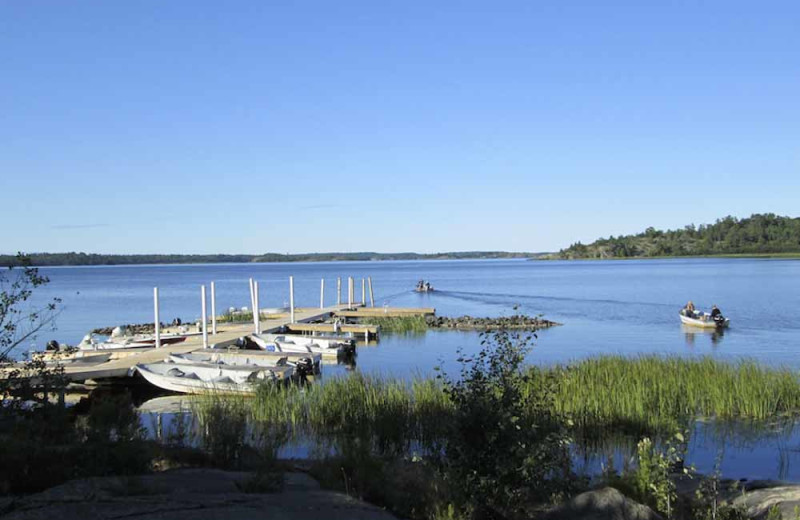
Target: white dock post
(371,296)
(158,320)
(291,299)
(322,293)
(205,316)
(213,310)
(256,310)
(252,295)
(339,290)
(349,292)
(363,293)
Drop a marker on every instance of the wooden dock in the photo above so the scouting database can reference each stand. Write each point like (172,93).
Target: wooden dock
(125,359)
(387,312)
(322,328)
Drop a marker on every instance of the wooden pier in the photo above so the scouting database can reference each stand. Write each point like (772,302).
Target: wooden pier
(385,312)
(299,320)
(123,360)
(324,328)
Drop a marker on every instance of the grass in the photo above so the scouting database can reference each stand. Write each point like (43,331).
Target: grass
(390,415)
(398,324)
(603,397)
(658,393)
(236,317)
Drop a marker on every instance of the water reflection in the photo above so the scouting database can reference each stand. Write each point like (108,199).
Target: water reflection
(692,334)
(749,450)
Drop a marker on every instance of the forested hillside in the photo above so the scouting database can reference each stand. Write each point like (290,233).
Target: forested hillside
(758,234)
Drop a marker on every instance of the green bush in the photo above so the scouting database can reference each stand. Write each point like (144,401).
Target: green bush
(506,447)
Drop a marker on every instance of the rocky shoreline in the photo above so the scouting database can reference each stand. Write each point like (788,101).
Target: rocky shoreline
(516,322)
(132,328)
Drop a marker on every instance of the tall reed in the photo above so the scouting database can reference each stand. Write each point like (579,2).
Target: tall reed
(398,324)
(658,391)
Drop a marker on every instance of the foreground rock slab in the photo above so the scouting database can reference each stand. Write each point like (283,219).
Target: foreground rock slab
(189,494)
(759,496)
(602,504)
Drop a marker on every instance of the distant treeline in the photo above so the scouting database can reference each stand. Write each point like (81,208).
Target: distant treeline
(50,259)
(758,234)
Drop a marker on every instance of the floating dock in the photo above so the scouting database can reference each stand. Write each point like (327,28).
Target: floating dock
(123,360)
(297,320)
(324,328)
(387,312)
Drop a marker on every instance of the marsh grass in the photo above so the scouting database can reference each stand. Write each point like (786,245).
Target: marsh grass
(386,416)
(603,396)
(398,324)
(235,317)
(661,393)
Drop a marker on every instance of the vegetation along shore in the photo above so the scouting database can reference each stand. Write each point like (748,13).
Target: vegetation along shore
(759,234)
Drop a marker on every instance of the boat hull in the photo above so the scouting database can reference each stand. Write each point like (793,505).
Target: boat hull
(206,378)
(704,324)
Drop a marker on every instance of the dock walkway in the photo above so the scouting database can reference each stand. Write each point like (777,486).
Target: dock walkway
(124,359)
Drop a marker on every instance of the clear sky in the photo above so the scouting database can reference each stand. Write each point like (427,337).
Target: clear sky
(251,126)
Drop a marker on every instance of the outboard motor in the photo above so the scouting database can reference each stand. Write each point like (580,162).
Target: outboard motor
(719,319)
(52,345)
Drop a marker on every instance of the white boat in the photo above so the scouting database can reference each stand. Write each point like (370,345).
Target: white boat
(303,363)
(307,344)
(117,342)
(202,378)
(323,341)
(704,320)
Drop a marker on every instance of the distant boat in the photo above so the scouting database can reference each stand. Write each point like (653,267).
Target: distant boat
(703,320)
(423,287)
(202,378)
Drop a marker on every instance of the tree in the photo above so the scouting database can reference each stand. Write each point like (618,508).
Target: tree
(506,448)
(18,325)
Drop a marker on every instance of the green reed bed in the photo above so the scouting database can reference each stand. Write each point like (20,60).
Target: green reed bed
(235,317)
(602,396)
(658,392)
(398,324)
(390,415)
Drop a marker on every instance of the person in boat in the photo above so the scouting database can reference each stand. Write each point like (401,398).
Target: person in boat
(688,310)
(427,286)
(716,314)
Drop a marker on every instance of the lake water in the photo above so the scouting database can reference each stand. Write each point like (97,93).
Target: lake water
(621,307)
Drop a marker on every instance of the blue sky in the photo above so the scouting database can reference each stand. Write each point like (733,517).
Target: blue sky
(246,127)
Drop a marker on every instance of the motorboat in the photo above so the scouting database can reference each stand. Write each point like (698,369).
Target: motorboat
(202,378)
(89,342)
(423,287)
(703,319)
(303,364)
(304,344)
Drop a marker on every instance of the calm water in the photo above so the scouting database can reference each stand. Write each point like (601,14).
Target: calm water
(622,307)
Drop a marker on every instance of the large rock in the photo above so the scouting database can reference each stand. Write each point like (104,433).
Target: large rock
(759,497)
(190,494)
(602,504)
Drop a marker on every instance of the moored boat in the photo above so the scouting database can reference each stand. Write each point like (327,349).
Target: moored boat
(303,364)
(201,378)
(304,344)
(90,343)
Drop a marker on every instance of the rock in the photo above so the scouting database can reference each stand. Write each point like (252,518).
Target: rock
(189,494)
(602,504)
(759,497)
(516,322)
